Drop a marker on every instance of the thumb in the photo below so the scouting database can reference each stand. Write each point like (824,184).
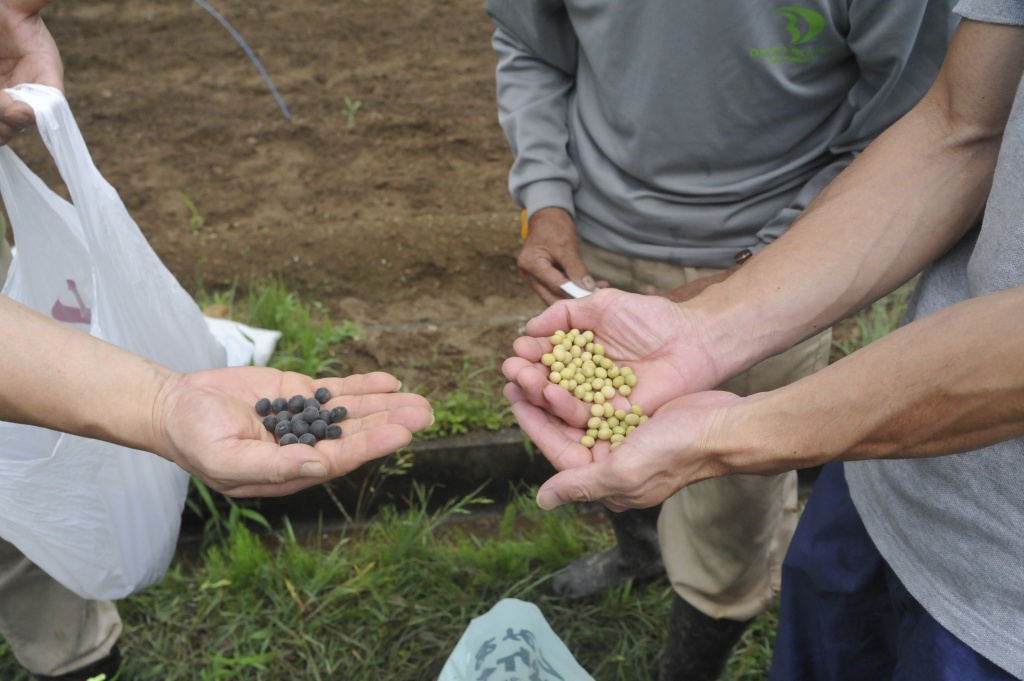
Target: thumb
(577,271)
(574,484)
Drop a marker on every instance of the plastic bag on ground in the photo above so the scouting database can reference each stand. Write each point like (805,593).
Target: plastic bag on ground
(511,642)
(245,345)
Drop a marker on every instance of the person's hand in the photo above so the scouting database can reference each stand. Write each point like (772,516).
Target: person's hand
(549,257)
(656,338)
(658,459)
(681,294)
(206,422)
(28,54)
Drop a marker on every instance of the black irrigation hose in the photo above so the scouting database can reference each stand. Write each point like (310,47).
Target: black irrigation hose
(248,51)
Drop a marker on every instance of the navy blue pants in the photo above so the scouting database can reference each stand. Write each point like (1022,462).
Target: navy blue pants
(845,616)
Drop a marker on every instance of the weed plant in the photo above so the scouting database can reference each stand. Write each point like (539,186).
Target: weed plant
(196,221)
(351,107)
(371,488)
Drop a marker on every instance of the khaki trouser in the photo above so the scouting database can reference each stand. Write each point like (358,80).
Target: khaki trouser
(50,629)
(723,540)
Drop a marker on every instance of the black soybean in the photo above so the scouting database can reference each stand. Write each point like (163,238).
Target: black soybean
(318,428)
(301,419)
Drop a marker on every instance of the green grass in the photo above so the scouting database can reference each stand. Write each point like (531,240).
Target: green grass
(474,405)
(388,600)
(308,334)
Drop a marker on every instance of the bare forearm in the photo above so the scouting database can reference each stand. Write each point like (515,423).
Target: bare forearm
(61,378)
(950,382)
(911,195)
(865,236)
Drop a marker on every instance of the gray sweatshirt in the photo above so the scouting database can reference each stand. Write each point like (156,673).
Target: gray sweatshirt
(687,132)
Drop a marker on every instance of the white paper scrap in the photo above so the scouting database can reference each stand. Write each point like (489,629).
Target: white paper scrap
(574,290)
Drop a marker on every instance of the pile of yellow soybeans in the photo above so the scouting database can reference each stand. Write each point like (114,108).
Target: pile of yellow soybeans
(579,365)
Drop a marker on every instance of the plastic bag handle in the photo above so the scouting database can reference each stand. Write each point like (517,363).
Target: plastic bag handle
(60,133)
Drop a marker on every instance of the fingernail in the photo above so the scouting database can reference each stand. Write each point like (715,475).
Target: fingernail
(588,283)
(548,500)
(313,469)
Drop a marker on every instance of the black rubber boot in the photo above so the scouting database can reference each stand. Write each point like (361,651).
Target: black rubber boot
(106,669)
(635,556)
(698,646)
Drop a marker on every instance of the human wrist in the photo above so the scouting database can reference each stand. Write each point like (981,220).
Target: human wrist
(552,214)
(739,319)
(156,428)
(545,220)
(721,330)
(144,387)
(769,433)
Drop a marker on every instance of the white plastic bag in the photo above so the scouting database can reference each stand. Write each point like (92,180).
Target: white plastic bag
(101,519)
(245,345)
(511,642)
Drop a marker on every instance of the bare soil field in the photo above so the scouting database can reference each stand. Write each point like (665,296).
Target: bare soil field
(394,215)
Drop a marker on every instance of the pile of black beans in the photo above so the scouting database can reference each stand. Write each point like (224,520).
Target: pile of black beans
(301,419)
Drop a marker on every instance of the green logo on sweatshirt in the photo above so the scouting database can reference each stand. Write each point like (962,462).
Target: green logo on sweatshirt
(803,26)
